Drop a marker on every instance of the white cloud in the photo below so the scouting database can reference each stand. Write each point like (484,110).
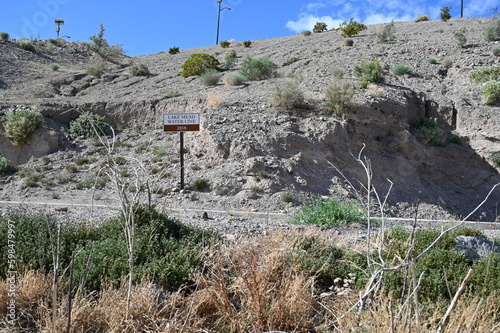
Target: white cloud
(307,22)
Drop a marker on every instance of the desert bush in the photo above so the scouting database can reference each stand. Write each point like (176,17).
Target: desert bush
(225,44)
(27,45)
(233,79)
(374,90)
(401,69)
(320,27)
(491,91)
(258,69)
(387,35)
(369,71)
(348,42)
(445,13)
(95,70)
(210,77)
(338,97)
(247,43)
(422,18)
(287,197)
(495,50)
(485,74)
(173,50)
(101,46)
(229,59)
(431,60)
(88,125)
(306,33)
(492,32)
(200,184)
(215,99)
(495,158)
(4,36)
(352,28)
(54,67)
(460,38)
(20,124)
(429,132)
(139,70)
(338,72)
(329,212)
(447,62)
(291,60)
(6,166)
(198,63)
(289,96)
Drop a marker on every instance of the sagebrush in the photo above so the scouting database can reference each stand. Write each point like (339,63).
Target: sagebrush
(21,123)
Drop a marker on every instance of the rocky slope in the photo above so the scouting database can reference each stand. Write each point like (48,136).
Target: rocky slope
(254,156)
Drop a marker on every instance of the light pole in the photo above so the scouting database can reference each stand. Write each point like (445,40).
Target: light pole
(218,20)
(58,22)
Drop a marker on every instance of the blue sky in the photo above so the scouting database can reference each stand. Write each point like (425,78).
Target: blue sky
(151,26)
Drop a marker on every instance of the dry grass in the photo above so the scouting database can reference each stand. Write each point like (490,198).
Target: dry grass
(374,90)
(215,100)
(247,286)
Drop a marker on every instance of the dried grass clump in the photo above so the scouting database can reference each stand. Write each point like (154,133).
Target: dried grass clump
(233,79)
(215,100)
(374,90)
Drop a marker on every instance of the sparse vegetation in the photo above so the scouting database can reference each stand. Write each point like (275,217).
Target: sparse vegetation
(369,71)
(200,184)
(199,63)
(21,123)
(495,158)
(492,32)
(289,96)
(329,212)
(173,93)
(447,62)
(27,45)
(225,44)
(139,70)
(401,69)
(338,72)
(96,70)
(210,77)
(247,43)
(445,13)
(287,197)
(6,166)
(422,18)
(173,50)
(258,69)
(229,59)
(54,66)
(320,27)
(491,91)
(352,28)
(88,125)
(460,38)
(429,132)
(101,46)
(291,60)
(485,74)
(388,34)
(338,97)
(4,36)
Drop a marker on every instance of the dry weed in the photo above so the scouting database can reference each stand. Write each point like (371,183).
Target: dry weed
(215,100)
(374,90)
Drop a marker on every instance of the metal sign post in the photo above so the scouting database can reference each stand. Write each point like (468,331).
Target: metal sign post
(182,122)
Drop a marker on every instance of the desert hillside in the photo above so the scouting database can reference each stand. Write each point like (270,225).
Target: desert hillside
(254,155)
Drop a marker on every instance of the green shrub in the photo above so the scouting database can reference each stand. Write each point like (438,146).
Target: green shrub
(447,62)
(338,72)
(173,50)
(173,93)
(27,45)
(328,212)
(348,42)
(369,71)
(233,79)
(210,77)
(53,41)
(445,13)
(364,84)
(101,46)
(485,74)
(306,33)
(491,91)
(6,166)
(495,50)
(200,184)
(429,133)
(387,35)
(422,18)
(288,97)
(455,138)
(88,125)
(492,32)
(495,158)
(287,197)
(198,63)
(431,60)
(460,38)
(247,43)
(21,123)
(95,70)
(4,36)
(338,97)
(54,67)
(352,28)
(225,44)
(401,69)
(229,59)
(320,27)
(291,60)
(139,70)
(258,69)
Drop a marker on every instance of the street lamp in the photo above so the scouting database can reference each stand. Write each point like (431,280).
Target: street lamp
(218,20)
(58,22)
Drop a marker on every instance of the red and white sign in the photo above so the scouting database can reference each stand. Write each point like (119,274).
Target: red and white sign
(181,122)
